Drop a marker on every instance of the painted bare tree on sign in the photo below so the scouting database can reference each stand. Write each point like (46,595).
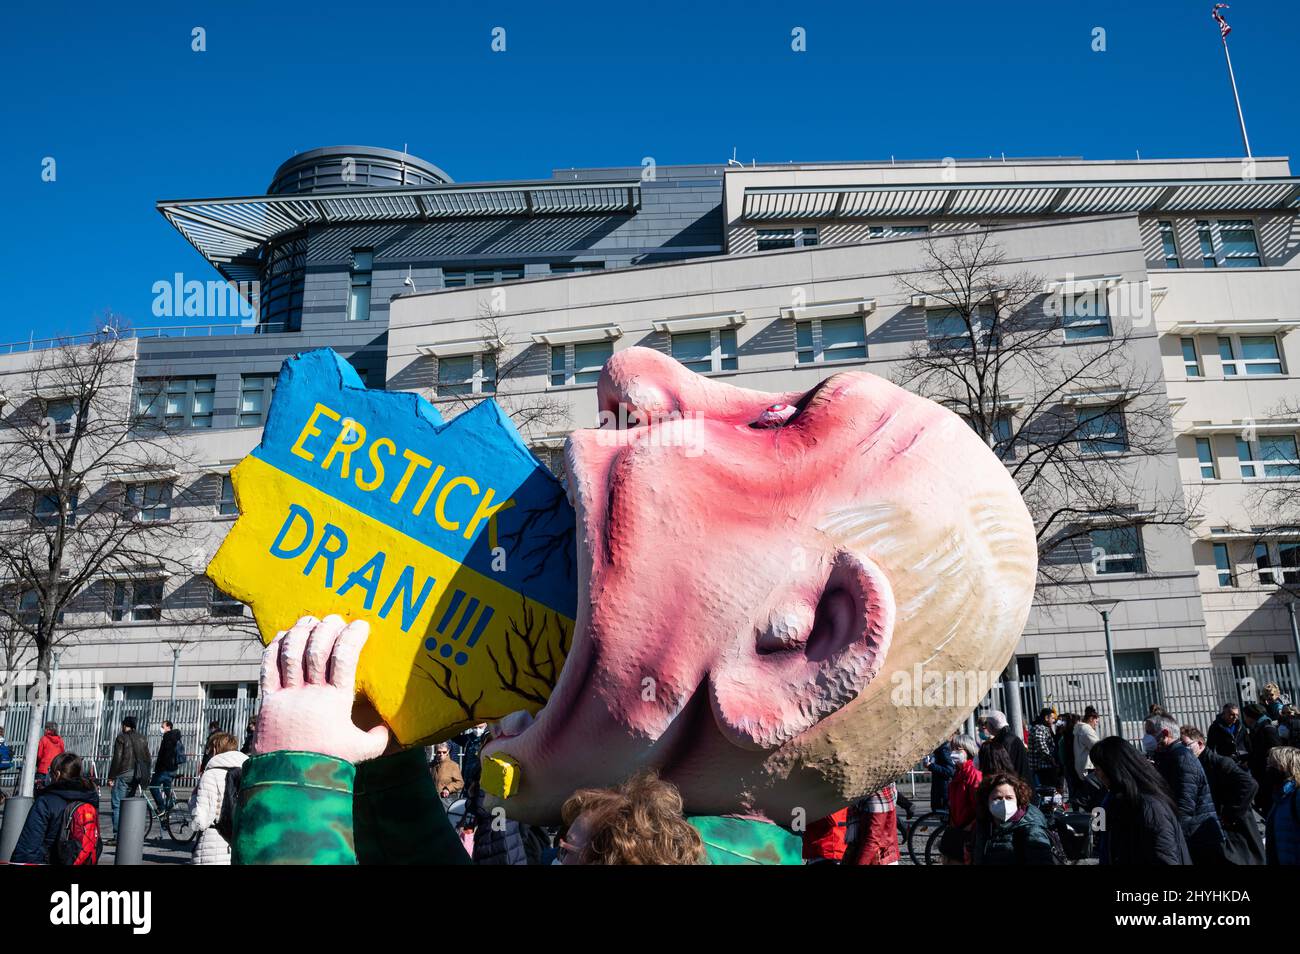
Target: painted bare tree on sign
(1073,424)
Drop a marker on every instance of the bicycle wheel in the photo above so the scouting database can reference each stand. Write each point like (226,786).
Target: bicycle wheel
(932,854)
(150,815)
(179,825)
(919,834)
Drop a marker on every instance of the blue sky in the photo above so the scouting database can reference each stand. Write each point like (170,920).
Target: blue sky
(114,93)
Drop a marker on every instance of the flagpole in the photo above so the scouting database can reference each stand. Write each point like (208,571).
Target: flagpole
(1233,79)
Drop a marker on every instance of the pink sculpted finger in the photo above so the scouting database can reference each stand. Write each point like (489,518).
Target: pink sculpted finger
(292,647)
(270,680)
(347,653)
(320,646)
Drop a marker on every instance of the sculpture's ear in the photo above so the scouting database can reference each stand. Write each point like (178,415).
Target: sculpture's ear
(815,648)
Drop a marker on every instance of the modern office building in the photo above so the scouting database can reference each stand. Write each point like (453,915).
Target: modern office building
(770,277)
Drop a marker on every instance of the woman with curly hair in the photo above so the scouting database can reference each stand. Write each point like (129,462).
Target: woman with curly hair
(1008,829)
(638,823)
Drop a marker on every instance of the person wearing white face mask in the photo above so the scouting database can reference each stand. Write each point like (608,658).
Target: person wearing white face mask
(1008,829)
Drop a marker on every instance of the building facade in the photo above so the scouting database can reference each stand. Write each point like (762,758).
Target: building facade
(773,278)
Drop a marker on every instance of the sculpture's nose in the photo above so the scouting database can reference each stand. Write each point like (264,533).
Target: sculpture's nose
(640,385)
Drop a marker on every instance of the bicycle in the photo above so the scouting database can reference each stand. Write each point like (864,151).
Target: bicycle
(925,832)
(174,817)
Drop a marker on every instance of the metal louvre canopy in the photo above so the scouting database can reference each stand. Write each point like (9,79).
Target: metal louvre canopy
(235,229)
(801,203)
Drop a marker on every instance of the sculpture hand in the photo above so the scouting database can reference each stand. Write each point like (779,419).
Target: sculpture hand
(308,691)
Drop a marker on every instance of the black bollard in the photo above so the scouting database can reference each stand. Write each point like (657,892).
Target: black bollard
(130,831)
(16,809)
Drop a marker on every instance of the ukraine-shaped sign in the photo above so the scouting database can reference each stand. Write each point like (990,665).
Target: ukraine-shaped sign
(450,539)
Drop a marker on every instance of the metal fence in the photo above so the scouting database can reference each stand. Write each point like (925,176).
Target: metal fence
(1192,695)
(89,728)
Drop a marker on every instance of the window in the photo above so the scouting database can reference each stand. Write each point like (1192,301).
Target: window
(226,505)
(1249,354)
(771,239)
(1002,427)
(137,600)
(461,277)
(1086,315)
(574,268)
(151,501)
(1277,453)
(29,608)
(1205,454)
(467,374)
(47,510)
(255,392)
(363,261)
(947,328)
(1100,430)
(893,231)
(706,351)
(224,605)
(1191,360)
(1278,562)
(830,339)
(1137,681)
(1117,550)
(1169,245)
(579,363)
(176,402)
(1223,565)
(1228,243)
(63,415)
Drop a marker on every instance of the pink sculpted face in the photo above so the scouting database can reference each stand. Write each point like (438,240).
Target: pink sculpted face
(757,574)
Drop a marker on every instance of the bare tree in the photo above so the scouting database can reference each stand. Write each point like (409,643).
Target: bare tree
(87,489)
(1070,423)
(503,364)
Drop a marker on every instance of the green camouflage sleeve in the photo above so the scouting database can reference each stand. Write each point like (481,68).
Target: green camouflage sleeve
(399,817)
(741,841)
(295,808)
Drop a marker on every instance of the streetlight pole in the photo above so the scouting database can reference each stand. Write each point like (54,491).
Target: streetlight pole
(177,647)
(1105,607)
(1295,640)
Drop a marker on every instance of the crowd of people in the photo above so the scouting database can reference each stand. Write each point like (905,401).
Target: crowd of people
(1223,795)
(1227,794)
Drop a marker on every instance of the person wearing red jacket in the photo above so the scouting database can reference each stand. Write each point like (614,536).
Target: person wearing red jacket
(824,839)
(51,746)
(957,839)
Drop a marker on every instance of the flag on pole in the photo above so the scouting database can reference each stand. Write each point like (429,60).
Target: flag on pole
(1224,29)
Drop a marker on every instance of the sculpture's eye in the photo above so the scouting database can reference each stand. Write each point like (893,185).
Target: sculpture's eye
(776,415)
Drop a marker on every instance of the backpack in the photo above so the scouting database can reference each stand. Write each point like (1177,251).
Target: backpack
(180,753)
(78,841)
(230,803)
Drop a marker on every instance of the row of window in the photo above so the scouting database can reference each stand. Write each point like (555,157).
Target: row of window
(360,278)
(1268,455)
(136,601)
(1221,243)
(816,340)
(1241,355)
(1277,563)
(150,502)
(187,402)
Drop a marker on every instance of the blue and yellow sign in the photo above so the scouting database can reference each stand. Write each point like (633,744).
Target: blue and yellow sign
(449,538)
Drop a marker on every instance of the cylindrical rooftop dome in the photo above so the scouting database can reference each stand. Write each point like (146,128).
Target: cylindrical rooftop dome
(332,168)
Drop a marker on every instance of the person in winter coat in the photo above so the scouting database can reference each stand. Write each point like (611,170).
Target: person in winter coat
(957,839)
(1282,834)
(209,794)
(1233,791)
(66,787)
(825,840)
(872,832)
(998,736)
(1193,803)
(165,766)
(1042,750)
(1226,736)
(129,768)
(1263,738)
(1141,826)
(1009,830)
(51,745)
(1088,790)
(941,768)
(446,773)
